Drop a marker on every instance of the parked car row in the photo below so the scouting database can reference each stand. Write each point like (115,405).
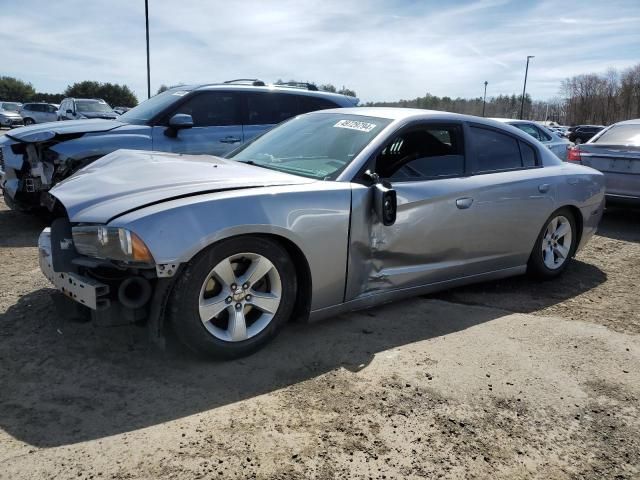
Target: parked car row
(14,114)
(335,209)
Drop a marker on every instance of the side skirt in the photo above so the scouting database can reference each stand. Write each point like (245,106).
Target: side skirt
(374,299)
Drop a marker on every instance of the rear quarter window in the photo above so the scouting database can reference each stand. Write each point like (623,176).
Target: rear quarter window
(311,104)
(621,135)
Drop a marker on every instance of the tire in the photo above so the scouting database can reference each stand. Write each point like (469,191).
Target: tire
(206,284)
(29,121)
(551,255)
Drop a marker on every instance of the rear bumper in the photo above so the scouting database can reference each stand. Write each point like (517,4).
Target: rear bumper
(622,185)
(84,290)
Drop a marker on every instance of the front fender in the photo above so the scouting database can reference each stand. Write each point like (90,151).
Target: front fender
(313,217)
(90,146)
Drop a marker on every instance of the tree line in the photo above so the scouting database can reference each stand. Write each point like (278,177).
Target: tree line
(13,89)
(592,98)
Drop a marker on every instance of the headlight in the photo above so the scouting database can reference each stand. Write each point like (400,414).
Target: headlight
(110,243)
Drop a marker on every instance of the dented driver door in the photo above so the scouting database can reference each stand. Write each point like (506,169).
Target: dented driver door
(431,240)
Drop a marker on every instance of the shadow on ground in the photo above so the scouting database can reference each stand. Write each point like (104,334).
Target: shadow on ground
(621,223)
(64,383)
(524,294)
(18,229)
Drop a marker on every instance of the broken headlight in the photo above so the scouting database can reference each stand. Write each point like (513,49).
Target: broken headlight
(110,243)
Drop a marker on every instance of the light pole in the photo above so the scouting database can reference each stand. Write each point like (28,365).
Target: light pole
(524,89)
(484,99)
(146,19)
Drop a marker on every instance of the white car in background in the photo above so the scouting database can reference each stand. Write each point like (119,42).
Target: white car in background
(9,116)
(550,139)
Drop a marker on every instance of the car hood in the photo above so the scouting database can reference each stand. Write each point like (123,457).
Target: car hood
(127,180)
(39,131)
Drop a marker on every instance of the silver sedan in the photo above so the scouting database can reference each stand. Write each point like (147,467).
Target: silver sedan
(550,139)
(329,212)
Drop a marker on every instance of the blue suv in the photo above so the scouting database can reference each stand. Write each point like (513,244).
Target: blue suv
(206,119)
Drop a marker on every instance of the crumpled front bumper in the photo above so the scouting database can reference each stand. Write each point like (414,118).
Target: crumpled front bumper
(84,290)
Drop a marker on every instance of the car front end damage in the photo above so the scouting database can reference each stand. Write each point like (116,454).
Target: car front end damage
(126,290)
(33,159)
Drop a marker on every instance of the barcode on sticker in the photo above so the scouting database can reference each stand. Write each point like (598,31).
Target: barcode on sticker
(356,125)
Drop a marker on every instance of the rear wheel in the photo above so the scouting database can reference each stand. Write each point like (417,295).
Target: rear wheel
(233,297)
(555,245)
(29,121)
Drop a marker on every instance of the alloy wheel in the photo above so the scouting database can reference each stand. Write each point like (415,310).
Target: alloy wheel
(239,297)
(556,244)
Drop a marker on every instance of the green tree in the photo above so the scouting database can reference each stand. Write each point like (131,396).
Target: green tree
(112,93)
(14,90)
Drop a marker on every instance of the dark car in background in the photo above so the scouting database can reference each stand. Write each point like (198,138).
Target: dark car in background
(583,133)
(615,151)
(206,119)
(83,108)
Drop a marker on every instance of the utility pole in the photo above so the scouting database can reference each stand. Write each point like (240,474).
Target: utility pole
(146,19)
(484,99)
(524,89)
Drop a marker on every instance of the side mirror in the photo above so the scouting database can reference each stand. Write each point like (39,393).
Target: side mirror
(178,122)
(385,203)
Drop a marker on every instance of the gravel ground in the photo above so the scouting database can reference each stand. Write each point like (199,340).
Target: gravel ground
(512,379)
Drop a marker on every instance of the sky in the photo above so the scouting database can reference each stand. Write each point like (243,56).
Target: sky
(382,49)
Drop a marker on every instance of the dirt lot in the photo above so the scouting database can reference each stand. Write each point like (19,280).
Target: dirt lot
(511,379)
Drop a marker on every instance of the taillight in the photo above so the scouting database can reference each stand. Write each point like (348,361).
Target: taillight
(573,154)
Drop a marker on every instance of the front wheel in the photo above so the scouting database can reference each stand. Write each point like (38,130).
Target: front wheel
(555,246)
(233,297)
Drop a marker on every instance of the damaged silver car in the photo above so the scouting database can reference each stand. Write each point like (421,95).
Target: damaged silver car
(330,211)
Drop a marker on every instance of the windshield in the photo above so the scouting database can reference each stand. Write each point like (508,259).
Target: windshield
(143,113)
(10,107)
(317,145)
(621,135)
(83,106)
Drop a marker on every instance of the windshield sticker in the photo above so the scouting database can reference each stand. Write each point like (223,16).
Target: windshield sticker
(355,125)
(180,93)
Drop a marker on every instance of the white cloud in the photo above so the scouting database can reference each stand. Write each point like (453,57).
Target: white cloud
(382,49)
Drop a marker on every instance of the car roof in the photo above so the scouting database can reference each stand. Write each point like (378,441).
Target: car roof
(399,113)
(633,121)
(514,120)
(336,97)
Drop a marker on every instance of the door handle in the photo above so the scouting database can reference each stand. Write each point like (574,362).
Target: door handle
(464,202)
(544,188)
(230,140)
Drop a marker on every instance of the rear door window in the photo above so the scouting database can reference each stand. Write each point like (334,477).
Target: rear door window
(494,151)
(311,104)
(270,108)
